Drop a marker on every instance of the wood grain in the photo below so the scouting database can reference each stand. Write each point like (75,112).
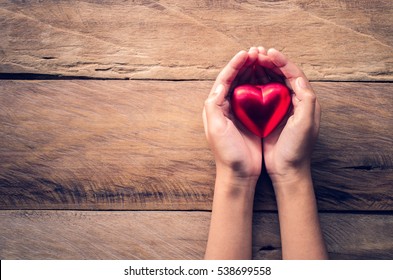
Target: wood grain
(171,235)
(147,39)
(141,145)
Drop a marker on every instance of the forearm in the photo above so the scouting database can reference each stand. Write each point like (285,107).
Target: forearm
(230,231)
(301,234)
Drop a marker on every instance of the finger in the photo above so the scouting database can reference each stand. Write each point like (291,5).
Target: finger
(292,73)
(270,71)
(246,74)
(306,106)
(230,71)
(286,67)
(262,50)
(265,61)
(252,56)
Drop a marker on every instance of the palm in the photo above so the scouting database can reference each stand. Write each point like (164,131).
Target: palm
(244,150)
(278,148)
(290,145)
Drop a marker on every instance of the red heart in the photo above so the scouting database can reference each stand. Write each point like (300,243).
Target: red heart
(261,108)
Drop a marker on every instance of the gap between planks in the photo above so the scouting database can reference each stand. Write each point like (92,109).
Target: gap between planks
(49,77)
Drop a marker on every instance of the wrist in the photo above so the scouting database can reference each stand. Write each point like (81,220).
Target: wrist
(234,196)
(233,179)
(292,183)
(234,187)
(289,172)
(230,231)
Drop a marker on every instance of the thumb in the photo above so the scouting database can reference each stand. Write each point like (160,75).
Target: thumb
(215,118)
(305,99)
(215,100)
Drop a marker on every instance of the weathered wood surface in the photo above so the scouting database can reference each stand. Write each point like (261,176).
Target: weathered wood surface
(332,40)
(140,145)
(171,235)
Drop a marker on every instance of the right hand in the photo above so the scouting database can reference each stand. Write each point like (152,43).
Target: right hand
(287,150)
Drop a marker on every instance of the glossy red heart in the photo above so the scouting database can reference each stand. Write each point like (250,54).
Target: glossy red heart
(261,108)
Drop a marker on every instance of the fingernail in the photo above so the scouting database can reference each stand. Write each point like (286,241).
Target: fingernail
(301,82)
(218,89)
(272,50)
(252,49)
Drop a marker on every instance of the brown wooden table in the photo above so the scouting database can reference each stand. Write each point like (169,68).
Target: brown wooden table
(102,149)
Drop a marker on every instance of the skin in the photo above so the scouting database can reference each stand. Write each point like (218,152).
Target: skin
(286,153)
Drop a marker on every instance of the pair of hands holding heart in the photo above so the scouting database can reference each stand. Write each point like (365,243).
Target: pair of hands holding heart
(250,112)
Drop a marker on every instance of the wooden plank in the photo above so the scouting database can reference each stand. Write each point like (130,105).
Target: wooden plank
(171,235)
(332,40)
(135,145)
(347,236)
(102,235)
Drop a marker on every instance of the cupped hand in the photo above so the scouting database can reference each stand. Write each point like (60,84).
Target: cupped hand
(237,151)
(287,150)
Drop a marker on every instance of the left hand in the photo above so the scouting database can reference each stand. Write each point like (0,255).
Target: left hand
(237,151)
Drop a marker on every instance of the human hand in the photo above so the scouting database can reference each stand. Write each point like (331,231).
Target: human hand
(287,150)
(238,159)
(237,151)
(287,155)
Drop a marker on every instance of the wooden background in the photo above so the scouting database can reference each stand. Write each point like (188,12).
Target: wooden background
(102,149)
